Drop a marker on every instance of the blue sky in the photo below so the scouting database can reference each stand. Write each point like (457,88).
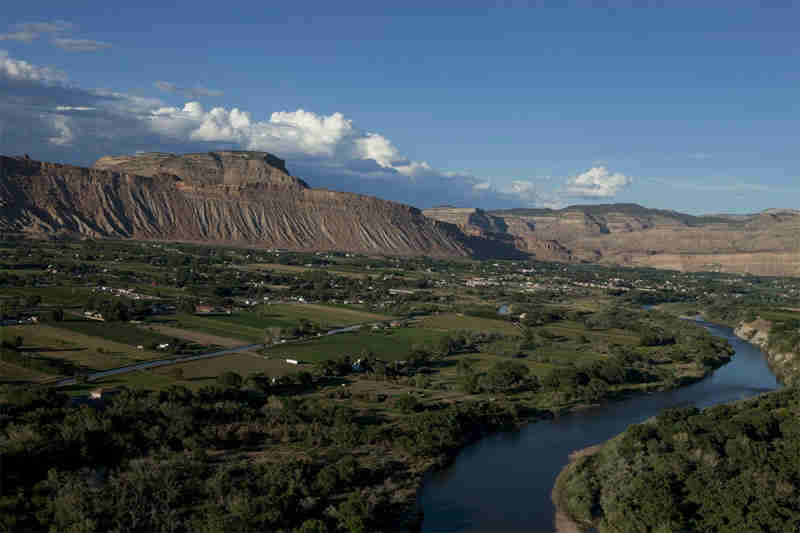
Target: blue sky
(468,103)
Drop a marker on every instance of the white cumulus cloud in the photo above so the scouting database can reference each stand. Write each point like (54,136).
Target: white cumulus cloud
(19,70)
(42,114)
(597,182)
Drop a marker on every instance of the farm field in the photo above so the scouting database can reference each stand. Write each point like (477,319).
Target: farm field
(10,373)
(333,315)
(297,269)
(230,328)
(388,345)
(64,296)
(117,332)
(249,326)
(574,330)
(204,339)
(452,321)
(204,372)
(85,351)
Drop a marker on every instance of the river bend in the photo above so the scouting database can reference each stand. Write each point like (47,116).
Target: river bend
(503,482)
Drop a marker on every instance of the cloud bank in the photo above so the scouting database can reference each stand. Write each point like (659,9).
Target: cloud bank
(43,114)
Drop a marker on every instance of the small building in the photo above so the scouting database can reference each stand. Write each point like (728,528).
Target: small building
(293,361)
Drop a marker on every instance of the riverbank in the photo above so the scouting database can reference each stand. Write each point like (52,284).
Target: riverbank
(684,376)
(564,523)
(786,365)
(581,482)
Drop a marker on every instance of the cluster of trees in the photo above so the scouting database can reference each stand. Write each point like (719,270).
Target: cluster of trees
(141,463)
(784,336)
(728,468)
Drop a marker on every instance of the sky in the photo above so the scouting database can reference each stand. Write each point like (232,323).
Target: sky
(473,104)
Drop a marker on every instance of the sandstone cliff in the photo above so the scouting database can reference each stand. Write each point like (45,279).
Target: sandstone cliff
(765,243)
(516,231)
(244,198)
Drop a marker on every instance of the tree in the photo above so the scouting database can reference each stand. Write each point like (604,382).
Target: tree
(230,379)
(446,346)
(505,374)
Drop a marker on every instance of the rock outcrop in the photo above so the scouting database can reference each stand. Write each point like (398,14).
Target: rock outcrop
(245,198)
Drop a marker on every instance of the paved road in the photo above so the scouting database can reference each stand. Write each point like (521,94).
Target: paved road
(157,363)
(174,360)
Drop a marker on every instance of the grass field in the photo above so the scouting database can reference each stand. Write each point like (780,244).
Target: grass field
(205,371)
(13,374)
(145,379)
(249,326)
(231,329)
(778,314)
(63,296)
(456,322)
(574,330)
(333,315)
(294,269)
(392,345)
(85,351)
(115,331)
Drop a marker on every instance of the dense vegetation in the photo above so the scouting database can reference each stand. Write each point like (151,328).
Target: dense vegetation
(151,461)
(727,468)
(448,351)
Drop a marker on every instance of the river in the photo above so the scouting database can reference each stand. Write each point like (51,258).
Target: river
(503,482)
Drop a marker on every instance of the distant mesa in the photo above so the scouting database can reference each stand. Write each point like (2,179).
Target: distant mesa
(224,197)
(249,198)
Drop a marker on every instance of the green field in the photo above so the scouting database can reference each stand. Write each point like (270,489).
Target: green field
(115,331)
(64,296)
(10,373)
(196,373)
(229,328)
(85,351)
(250,325)
(323,314)
(456,322)
(145,379)
(389,345)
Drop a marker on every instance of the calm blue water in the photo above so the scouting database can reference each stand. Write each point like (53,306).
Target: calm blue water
(503,482)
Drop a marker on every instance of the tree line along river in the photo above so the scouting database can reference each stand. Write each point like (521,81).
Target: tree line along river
(504,482)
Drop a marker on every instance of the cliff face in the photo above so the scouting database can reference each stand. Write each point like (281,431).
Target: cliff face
(224,197)
(515,231)
(765,243)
